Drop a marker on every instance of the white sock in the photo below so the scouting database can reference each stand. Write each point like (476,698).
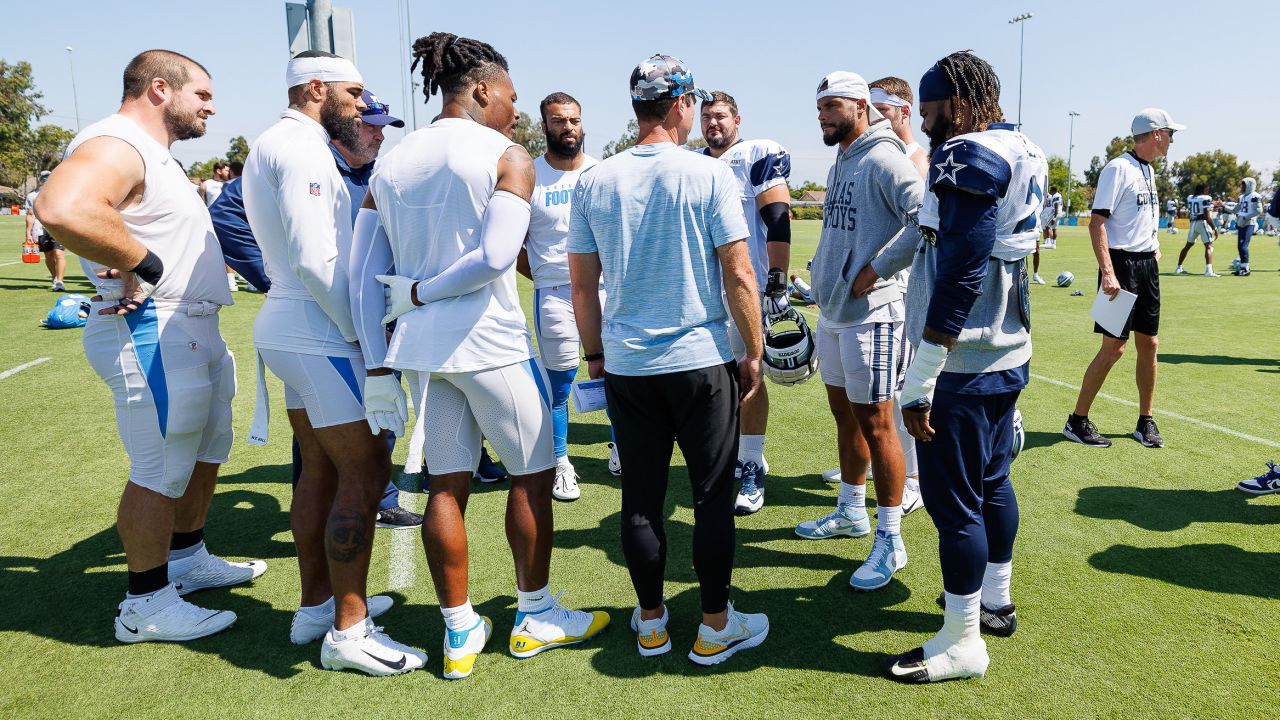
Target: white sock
(354,632)
(751,449)
(890,519)
(1179,269)
(959,623)
(853,498)
(995,585)
(535,601)
(564,463)
(1208,269)
(460,617)
(325,608)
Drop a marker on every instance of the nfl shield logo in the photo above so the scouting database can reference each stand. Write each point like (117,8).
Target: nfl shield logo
(315,189)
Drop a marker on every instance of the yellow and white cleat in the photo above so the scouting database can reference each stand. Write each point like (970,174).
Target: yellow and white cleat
(744,630)
(462,648)
(651,635)
(554,627)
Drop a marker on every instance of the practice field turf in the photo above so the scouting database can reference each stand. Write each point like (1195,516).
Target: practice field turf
(1146,585)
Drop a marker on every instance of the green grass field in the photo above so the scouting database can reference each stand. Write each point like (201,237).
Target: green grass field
(1146,585)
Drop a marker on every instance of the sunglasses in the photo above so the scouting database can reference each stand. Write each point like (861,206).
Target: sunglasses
(377,108)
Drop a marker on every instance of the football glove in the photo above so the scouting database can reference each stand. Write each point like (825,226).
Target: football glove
(384,404)
(775,293)
(399,295)
(922,377)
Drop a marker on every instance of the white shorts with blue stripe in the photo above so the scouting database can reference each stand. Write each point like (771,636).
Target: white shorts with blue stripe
(330,388)
(868,360)
(509,406)
(173,380)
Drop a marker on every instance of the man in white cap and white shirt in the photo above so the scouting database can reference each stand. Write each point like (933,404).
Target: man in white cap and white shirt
(873,194)
(299,209)
(1124,229)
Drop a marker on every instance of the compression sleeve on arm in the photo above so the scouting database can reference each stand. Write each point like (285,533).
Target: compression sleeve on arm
(370,256)
(506,221)
(966,236)
(776,217)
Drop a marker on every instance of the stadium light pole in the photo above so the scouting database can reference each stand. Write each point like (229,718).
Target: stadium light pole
(413,84)
(1021,22)
(1071,144)
(75,98)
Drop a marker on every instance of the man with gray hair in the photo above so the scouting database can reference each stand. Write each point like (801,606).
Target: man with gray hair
(299,209)
(662,223)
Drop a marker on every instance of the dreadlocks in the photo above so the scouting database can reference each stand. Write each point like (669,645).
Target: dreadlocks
(451,63)
(975,82)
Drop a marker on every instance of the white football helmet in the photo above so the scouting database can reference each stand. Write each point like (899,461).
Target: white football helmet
(790,353)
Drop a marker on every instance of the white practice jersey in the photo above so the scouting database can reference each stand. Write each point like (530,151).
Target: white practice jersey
(999,162)
(1052,207)
(1248,207)
(299,209)
(549,221)
(1171,206)
(1198,206)
(758,165)
(212,189)
(169,219)
(431,191)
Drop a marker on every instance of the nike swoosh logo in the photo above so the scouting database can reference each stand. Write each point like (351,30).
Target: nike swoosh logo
(126,627)
(951,143)
(398,665)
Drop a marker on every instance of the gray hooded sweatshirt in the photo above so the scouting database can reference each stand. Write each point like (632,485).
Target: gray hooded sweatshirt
(873,195)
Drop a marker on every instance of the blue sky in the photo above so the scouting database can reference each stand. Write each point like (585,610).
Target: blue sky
(1105,60)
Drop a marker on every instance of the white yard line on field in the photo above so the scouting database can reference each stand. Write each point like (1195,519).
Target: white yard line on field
(402,568)
(14,262)
(23,366)
(1130,403)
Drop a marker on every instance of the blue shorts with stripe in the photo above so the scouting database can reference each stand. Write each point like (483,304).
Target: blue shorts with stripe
(173,380)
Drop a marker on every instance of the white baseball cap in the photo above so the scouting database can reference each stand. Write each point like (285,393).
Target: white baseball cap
(1153,119)
(845,84)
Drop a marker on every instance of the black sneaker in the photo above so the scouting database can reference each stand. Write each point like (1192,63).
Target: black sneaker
(397,518)
(1147,434)
(1001,622)
(1082,430)
(488,470)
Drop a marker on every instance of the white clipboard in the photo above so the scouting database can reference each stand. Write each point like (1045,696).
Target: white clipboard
(588,395)
(1113,314)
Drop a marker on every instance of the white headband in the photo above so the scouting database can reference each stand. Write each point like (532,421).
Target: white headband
(880,96)
(325,69)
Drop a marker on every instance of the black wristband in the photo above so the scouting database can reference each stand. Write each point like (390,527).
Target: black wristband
(592,357)
(150,269)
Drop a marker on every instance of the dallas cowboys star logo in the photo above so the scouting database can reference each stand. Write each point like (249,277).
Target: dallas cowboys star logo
(949,167)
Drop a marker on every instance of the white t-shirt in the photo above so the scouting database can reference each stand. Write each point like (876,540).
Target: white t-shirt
(549,221)
(758,165)
(299,209)
(169,220)
(30,207)
(212,189)
(1127,189)
(432,190)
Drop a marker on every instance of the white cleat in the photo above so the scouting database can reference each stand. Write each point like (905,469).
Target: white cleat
(843,521)
(911,500)
(615,463)
(832,476)
(308,628)
(1035,278)
(372,653)
(888,555)
(554,627)
(744,630)
(462,648)
(926,664)
(565,486)
(206,570)
(651,635)
(164,616)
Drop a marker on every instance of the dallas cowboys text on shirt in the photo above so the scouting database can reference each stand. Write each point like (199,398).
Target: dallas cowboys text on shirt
(838,211)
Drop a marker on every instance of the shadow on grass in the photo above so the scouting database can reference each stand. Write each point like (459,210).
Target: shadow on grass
(1213,567)
(71,596)
(1169,510)
(1177,359)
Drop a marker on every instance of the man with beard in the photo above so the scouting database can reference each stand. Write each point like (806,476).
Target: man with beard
(299,209)
(119,201)
(762,168)
(543,260)
(449,209)
(969,315)
(874,192)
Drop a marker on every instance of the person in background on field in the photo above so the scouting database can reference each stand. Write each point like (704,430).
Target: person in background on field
(54,256)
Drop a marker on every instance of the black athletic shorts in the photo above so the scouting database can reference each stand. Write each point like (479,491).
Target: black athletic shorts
(1139,273)
(47,243)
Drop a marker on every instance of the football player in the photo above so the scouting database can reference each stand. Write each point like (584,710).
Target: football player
(970,315)
(1199,207)
(762,168)
(1171,209)
(874,193)
(1248,208)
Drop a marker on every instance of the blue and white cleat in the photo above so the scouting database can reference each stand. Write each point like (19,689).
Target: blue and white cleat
(843,521)
(751,495)
(1265,484)
(888,555)
(463,647)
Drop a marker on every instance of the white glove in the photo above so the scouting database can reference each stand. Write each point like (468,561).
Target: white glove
(399,295)
(775,306)
(384,404)
(922,377)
